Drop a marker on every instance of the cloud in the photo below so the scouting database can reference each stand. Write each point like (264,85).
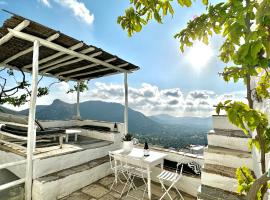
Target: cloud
(148,99)
(79,10)
(45,2)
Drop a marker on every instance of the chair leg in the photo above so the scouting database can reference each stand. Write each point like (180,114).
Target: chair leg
(131,185)
(166,191)
(179,192)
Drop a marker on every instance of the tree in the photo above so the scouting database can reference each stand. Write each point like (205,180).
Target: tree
(15,87)
(245,27)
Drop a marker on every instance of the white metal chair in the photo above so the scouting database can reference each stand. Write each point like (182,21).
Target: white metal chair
(138,172)
(171,178)
(119,167)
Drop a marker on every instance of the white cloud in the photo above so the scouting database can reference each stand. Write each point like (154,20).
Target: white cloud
(148,99)
(79,10)
(45,2)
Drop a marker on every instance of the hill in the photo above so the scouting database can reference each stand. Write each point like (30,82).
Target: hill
(163,130)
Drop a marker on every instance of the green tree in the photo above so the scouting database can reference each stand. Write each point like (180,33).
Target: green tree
(15,87)
(245,27)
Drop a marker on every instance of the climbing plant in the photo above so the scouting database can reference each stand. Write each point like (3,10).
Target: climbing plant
(245,28)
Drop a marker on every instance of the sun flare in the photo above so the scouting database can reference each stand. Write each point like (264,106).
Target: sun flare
(199,55)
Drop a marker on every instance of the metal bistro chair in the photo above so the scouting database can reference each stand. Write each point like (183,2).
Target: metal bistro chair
(119,167)
(171,178)
(138,172)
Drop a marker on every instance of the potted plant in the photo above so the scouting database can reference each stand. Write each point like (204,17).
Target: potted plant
(127,142)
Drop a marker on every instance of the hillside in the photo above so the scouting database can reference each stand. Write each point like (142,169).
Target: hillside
(163,130)
(98,110)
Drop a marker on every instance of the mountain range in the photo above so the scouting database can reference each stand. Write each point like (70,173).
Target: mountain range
(159,129)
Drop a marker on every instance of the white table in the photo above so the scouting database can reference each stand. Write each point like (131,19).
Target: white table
(72,131)
(155,158)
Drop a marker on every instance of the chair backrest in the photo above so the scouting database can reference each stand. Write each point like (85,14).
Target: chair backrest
(112,160)
(181,162)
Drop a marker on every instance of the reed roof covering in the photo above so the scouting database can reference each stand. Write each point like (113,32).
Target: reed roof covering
(16,53)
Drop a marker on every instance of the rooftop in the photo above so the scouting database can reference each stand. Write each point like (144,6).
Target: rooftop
(60,56)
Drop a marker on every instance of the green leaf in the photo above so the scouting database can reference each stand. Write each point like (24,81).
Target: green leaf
(205,2)
(187,3)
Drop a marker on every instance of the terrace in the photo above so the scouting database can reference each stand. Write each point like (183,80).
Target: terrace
(53,169)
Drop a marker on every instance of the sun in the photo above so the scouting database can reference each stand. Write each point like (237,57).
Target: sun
(199,55)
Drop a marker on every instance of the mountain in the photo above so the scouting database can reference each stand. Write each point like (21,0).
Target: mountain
(98,110)
(162,130)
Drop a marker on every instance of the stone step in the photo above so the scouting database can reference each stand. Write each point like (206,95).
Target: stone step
(227,157)
(212,193)
(231,139)
(70,180)
(219,170)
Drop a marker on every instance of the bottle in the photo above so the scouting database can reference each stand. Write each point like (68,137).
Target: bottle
(146,149)
(115,128)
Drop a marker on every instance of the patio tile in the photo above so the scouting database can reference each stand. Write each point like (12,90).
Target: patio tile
(115,194)
(95,190)
(77,196)
(107,181)
(108,197)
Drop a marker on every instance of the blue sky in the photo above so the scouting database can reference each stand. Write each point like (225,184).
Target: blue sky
(153,49)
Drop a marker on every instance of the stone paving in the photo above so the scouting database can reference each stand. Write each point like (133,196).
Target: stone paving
(100,190)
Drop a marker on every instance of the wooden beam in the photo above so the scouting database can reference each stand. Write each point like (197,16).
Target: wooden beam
(44,60)
(31,133)
(43,74)
(78,100)
(70,62)
(57,47)
(84,67)
(19,27)
(126,103)
(96,71)
(51,38)
(110,74)
(65,58)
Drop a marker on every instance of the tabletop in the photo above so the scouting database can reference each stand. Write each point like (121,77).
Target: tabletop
(139,153)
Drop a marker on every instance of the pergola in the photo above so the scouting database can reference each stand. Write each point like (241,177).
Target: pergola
(34,48)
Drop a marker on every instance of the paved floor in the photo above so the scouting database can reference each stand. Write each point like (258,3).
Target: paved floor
(100,190)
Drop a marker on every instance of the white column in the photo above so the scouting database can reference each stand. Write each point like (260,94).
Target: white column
(126,103)
(78,116)
(31,124)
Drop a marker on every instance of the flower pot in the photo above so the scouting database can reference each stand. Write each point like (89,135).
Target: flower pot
(127,146)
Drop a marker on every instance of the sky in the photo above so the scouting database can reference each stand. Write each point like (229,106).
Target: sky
(168,81)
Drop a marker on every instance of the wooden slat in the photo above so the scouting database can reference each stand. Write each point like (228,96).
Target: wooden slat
(44,60)
(84,67)
(57,47)
(64,59)
(19,27)
(26,51)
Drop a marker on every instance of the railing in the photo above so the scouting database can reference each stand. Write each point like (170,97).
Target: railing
(15,163)
(13,183)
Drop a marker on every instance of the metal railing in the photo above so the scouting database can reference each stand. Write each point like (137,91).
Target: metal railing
(12,183)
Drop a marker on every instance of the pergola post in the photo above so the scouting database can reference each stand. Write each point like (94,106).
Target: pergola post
(126,103)
(78,116)
(31,133)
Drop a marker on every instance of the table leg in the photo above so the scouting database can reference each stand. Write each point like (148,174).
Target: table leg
(66,138)
(149,182)
(162,165)
(76,137)
(115,171)
(61,142)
